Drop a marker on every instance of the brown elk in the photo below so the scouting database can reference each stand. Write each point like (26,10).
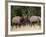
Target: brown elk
(34,19)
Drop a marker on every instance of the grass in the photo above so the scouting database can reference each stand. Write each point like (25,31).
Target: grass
(26,27)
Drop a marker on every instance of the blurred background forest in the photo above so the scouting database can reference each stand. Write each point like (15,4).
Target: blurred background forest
(25,11)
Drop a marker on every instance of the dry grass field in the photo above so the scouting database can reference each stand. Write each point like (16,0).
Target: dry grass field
(26,28)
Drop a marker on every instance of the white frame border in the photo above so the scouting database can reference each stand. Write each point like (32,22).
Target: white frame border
(23,4)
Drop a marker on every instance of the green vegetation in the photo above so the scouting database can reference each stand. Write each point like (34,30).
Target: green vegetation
(25,11)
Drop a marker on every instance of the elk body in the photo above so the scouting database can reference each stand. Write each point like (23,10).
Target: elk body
(17,20)
(34,19)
